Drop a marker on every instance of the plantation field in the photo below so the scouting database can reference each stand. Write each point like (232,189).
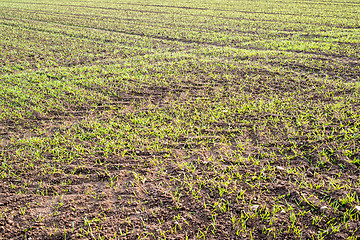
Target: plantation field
(164,119)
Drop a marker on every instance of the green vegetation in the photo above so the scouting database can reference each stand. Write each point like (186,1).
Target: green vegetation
(169,119)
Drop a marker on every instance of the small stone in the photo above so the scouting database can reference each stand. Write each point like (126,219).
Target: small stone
(280,168)
(357,208)
(283,211)
(254,207)
(323,208)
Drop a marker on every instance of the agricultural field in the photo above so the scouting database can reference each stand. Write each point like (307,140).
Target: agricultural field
(177,119)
